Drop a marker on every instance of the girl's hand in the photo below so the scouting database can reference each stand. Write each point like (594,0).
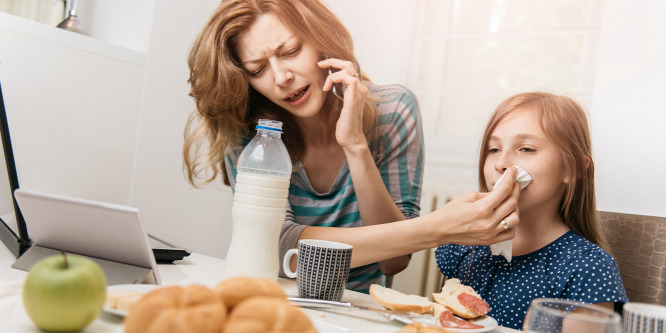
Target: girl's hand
(349,128)
(475,218)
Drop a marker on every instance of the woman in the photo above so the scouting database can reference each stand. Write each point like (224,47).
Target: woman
(358,156)
(558,250)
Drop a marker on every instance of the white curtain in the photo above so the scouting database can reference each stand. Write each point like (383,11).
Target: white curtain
(50,12)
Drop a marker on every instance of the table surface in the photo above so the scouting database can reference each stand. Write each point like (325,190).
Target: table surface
(195,269)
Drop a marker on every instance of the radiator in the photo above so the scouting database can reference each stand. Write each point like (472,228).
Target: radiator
(422,277)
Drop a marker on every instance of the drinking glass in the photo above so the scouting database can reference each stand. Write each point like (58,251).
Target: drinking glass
(551,315)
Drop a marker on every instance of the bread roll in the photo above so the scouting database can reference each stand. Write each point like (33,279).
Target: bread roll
(262,314)
(397,301)
(462,300)
(192,309)
(237,289)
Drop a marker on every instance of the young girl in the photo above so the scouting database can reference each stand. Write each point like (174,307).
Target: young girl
(558,249)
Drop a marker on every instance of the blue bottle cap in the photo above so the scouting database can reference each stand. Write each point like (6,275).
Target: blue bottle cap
(273,125)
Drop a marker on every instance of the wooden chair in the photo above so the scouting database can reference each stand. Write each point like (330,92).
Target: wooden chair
(638,243)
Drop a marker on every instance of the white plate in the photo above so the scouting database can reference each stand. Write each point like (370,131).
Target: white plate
(127,287)
(489,323)
(357,321)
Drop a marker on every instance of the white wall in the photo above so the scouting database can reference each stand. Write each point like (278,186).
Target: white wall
(73,106)
(629,108)
(125,23)
(380,39)
(196,218)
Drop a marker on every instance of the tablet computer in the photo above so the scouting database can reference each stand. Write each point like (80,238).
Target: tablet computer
(110,234)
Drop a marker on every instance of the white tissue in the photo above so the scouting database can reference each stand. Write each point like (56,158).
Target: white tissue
(504,248)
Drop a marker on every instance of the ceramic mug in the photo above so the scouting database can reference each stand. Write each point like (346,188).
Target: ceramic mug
(322,268)
(644,318)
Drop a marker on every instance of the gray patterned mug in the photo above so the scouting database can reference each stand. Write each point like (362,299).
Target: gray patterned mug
(322,268)
(644,318)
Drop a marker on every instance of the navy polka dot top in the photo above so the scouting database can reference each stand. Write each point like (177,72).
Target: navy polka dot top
(571,267)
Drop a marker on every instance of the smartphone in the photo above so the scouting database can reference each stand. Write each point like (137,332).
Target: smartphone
(338,89)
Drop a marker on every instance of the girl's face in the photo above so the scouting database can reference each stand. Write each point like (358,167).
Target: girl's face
(519,140)
(282,67)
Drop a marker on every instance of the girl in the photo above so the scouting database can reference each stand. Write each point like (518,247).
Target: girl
(358,156)
(558,250)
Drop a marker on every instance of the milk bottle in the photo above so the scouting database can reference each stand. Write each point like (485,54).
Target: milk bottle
(260,201)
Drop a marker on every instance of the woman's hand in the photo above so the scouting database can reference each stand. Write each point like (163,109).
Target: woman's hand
(349,128)
(475,218)
(376,205)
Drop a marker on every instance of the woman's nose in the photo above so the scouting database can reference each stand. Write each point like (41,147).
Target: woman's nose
(282,73)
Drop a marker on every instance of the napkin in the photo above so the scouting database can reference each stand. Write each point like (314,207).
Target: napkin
(504,248)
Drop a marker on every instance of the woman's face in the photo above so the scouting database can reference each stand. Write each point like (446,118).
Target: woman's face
(282,67)
(519,140)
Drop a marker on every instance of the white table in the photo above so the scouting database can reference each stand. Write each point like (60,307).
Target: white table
(195,269)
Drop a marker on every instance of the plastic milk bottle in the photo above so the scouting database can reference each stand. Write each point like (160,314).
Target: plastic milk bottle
(260,202)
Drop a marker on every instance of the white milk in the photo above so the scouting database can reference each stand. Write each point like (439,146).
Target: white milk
(258,213)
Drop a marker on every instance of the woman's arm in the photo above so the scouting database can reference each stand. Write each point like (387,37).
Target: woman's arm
(376,205)
(472,219)
(388,171)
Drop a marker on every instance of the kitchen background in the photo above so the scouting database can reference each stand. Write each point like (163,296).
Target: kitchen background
(101,116)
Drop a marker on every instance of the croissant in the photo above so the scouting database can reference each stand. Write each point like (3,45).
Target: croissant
(262,314)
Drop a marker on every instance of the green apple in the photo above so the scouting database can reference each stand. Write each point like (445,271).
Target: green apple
(64,292)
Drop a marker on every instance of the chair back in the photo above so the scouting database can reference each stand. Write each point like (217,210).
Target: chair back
(638,243)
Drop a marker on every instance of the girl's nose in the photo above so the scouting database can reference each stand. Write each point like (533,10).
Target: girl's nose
(504,162)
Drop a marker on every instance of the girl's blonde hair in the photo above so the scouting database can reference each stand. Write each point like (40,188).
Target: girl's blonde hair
(227,107)
(564,122)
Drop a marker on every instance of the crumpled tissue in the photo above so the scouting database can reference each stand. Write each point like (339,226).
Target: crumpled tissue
(504,248)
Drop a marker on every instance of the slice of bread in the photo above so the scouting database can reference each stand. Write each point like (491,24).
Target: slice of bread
(122,300)
(397,301)
(472,305)
(437,309)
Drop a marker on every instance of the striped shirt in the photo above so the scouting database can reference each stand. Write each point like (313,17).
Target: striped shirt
(396,145)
